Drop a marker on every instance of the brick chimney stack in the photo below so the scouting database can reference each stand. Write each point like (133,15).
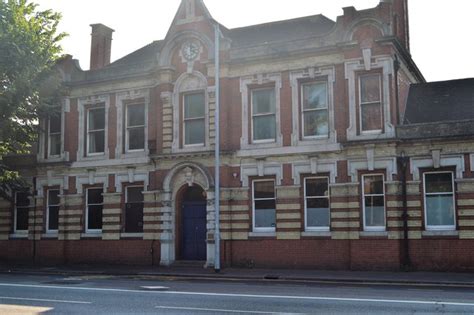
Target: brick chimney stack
(400,22)
(101,45)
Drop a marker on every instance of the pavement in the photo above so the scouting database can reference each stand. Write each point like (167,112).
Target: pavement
(190,272)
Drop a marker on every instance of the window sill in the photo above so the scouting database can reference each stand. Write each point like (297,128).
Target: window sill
(316,234)
(91,235)
(131,235)
(19,236)
(374,233)
(50,235)
(262,234)
(440,233)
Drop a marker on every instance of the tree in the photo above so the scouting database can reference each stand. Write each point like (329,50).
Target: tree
(29,84)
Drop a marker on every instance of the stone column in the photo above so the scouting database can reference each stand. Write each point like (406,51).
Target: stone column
(36,217)
(151,215)
(167,238)
(111,216)
(71,213)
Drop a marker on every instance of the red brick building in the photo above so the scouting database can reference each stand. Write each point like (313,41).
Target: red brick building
(326,162)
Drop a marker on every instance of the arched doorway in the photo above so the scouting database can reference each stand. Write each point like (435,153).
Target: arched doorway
(192,224)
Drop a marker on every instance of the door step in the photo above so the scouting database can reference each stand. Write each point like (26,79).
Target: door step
(189,263)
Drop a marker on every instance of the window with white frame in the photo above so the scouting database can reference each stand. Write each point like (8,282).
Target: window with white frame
(135,127)
(315,114)
(264,216)
(95,130)
(263,115)
(22,207)
(194,119)
(94,207)
(373,199)
(54,135)
(439,201)
(317,214)
(134,209)
(52,210)
(370,100)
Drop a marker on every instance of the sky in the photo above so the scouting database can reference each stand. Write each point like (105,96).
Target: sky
(441,32)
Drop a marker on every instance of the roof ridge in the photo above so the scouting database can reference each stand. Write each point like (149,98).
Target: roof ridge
(282,21)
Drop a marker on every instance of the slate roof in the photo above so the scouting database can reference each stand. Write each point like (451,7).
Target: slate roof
(310,26)
(443,101)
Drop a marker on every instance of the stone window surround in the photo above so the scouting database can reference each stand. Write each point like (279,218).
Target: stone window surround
(186,83)
(436,161)
(314,166)
(317,74)
(260,169)
(44,137)
(81,107)
(260,79)
(388,163)
(124,99)
(351,68)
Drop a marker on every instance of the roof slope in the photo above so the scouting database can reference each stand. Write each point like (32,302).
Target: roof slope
(310,26)
(440,102)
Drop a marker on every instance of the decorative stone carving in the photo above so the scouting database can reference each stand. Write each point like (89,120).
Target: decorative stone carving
(189,176)
(166,203)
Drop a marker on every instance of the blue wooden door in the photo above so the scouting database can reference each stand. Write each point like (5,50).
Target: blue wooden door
(194,229)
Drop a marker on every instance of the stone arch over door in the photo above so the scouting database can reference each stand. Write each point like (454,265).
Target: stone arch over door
(182,174)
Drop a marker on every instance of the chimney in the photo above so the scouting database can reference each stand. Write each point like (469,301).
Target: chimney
(101,44)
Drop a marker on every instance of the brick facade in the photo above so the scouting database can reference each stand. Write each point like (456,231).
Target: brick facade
(159,75)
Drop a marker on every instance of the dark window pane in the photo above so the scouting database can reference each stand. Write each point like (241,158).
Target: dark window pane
(317,211)
(97,142)
(439,210)
(316,123)
(263,101)
(134,218)
(264,127)
(134,194)
(135,115)
(136,138)
(314,96)
(373,185)
(22,219)
(194,131)
(97,118)
(264,189)
(371,117)
(94,219)
(370,88)
(22,199)
(94,196)
(53,217)
(317,187)
(194,105)
(55,124)
(55,144)
(53,197)
(440,182)
(374,211)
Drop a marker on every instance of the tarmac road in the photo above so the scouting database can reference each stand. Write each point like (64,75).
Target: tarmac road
(26,294)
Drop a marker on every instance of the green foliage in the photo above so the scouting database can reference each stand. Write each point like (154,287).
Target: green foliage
(29,83)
